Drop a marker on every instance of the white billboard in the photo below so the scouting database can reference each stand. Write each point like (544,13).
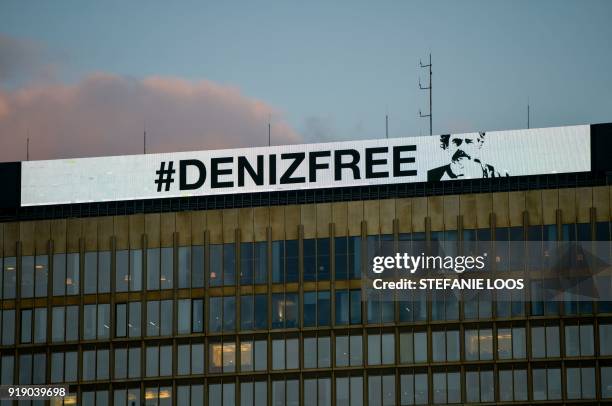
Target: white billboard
(307,166)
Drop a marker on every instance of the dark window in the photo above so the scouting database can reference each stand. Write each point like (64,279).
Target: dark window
(285,310)
(253,262)
(253,312)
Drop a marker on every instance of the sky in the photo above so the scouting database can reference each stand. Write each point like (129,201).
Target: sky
(85,78)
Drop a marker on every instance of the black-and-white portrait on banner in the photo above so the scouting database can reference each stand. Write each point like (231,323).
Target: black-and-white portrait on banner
(464,159)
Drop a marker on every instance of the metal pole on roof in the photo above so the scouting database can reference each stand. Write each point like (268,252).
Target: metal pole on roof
(528,114)
(269,129)
(430,93)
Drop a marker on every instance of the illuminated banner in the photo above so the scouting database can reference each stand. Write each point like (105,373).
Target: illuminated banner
(307,166)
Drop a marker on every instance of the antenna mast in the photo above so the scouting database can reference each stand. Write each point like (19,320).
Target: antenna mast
(387,126)
(528,113)
(144,141)
(269,130)
(28,148)
(430,95)
(387,122)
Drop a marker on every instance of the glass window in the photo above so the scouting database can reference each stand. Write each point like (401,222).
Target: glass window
(445,345)
(253,262)
(285,310)
(40,325)
(414,389)
(413,347)
(153,267)
(253,312)
(197,266)
(479,344)
(579,340)
(184,267)
(446,387)
(197,315)
(190,359)
(222,264)
(190,395)
(580,383)
(511,343)
(348,350)
(317,352)
(121,363)
(126,397)
(477,304)
(216,265)
(72,273)
(95,365)
(135,270)
(8,327)
(381,349)
(310,259)
(158,360)
(317,392)
(63,366)
(59,275)
(9,275)
(254,393)
(317,308)
(278,261)
(342,308)
(26,326)
(545,342)
(285,353)
(285,392)
(89,322)
(161,396)
(229,264)
(253,355)
(122,270)
(479,386)
(285,266)
(104,271)
(184,323)
(341,258)
(547,384)
(6,369)
(65,323)
(96,321)
(222,357)
(606,382)
(27,276)
(159,318)
(349,391)
(379,308)
(381,390)
(121,320)
(605,339)
(134,320)
(166,276)
(134,362)
(90,273)
(513,385)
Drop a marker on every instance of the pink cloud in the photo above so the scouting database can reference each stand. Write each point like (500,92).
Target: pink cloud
(105,114)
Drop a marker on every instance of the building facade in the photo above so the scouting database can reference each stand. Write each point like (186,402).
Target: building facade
(257,300)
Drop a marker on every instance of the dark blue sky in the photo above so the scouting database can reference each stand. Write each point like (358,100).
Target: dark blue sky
(332,69)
